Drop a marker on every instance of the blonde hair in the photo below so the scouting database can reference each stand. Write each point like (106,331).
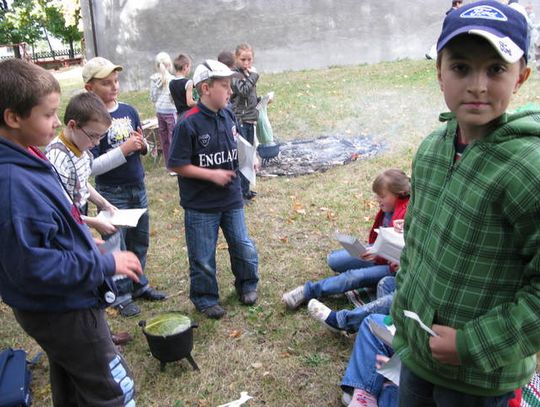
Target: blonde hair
(394,181)
(164,67)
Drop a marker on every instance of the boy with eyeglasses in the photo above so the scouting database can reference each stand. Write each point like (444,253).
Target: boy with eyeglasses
(86,121)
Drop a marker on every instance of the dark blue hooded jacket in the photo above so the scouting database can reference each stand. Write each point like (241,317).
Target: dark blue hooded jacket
(48,259)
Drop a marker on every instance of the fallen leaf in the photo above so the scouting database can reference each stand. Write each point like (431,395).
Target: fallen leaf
(235,334)
(284,239)
(256,365)
(222,246)
(331,216)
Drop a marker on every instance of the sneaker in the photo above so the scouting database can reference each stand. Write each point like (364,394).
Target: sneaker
(214,312)
(317,310)
(121,338)
(128,309)
(294,298)
(346,399)
(249,298)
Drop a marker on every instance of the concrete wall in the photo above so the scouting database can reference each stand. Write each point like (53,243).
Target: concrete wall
(286,34)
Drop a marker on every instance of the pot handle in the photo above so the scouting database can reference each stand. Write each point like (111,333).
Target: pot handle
(194,325)
(142,324)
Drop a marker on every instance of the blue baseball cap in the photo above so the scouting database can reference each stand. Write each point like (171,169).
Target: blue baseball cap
(502,26)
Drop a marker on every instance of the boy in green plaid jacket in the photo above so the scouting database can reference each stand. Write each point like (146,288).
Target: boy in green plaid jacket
(471,264)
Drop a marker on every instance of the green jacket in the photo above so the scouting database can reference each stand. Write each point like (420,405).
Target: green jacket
(472,256)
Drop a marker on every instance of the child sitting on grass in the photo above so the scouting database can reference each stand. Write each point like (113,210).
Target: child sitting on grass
(471,264)
(392,190)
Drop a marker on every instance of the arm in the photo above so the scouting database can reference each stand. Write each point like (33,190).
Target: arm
(97,199)
(217,176)
(153,90)
(242,86)
(189,94)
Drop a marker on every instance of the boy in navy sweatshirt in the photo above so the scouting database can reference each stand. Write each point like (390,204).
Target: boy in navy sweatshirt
(51,272)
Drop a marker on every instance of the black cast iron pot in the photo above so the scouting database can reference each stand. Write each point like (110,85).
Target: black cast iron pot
(170,348)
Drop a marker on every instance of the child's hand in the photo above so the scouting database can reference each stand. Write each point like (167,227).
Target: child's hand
(443,347)
(103,227)
(223,177)
(144,147)
(368,256)
(127,264)
(132,144)
(393,266)
(381,360)
(398,225)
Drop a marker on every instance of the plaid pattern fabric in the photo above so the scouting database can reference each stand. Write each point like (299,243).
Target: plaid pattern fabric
(471,259)
(530,396)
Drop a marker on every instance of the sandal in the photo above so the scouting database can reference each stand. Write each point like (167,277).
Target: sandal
(128,309)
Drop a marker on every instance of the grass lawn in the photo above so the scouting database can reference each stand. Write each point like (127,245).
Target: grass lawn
(280,358)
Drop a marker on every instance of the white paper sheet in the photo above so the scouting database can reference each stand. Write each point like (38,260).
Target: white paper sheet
(392,369)
(122,217)
(389,244)
(246,159)
(351,244)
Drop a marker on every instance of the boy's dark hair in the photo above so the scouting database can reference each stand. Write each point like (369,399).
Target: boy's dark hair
(181,61)
(227,58)
(85,107)
(394,181)
(22,85)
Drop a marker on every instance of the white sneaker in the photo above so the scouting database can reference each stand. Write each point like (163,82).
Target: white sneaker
(317,310)
(294,298)
(346,399)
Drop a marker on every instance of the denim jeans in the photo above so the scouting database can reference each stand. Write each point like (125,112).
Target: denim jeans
(202,230)
(135,239)
(361,372)
(340,261)
(247,131)
(351,319)
(346,281)
(417,392)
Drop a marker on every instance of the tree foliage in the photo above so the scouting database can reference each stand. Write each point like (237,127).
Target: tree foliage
(27,20)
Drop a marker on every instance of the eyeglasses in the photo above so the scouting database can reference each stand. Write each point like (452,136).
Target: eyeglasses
(92,137)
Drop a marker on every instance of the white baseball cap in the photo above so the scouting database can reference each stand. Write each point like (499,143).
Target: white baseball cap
(211,69)
(99,68)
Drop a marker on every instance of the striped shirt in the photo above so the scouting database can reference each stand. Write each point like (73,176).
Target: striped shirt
(472,257)
(74,170)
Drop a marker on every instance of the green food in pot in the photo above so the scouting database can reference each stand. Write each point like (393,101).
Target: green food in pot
(169,323)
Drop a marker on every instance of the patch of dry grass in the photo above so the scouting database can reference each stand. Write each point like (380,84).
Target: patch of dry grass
(281,358)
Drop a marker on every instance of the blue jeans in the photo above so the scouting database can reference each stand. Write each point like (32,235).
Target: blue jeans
(361,372)
(202,230)
(346,281)
(247,131)
(340,261)
(417,392)
(135,239)
(351,319)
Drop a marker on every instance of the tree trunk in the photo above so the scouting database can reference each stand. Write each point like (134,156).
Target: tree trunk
(49,42)
(17,51)
(71,50)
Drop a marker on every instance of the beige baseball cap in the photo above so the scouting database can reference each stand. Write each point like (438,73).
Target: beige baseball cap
(99,68)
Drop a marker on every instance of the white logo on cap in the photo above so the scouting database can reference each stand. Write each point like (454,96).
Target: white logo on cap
(485,12)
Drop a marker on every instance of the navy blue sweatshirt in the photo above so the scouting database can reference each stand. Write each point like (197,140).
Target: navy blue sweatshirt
(48,259)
